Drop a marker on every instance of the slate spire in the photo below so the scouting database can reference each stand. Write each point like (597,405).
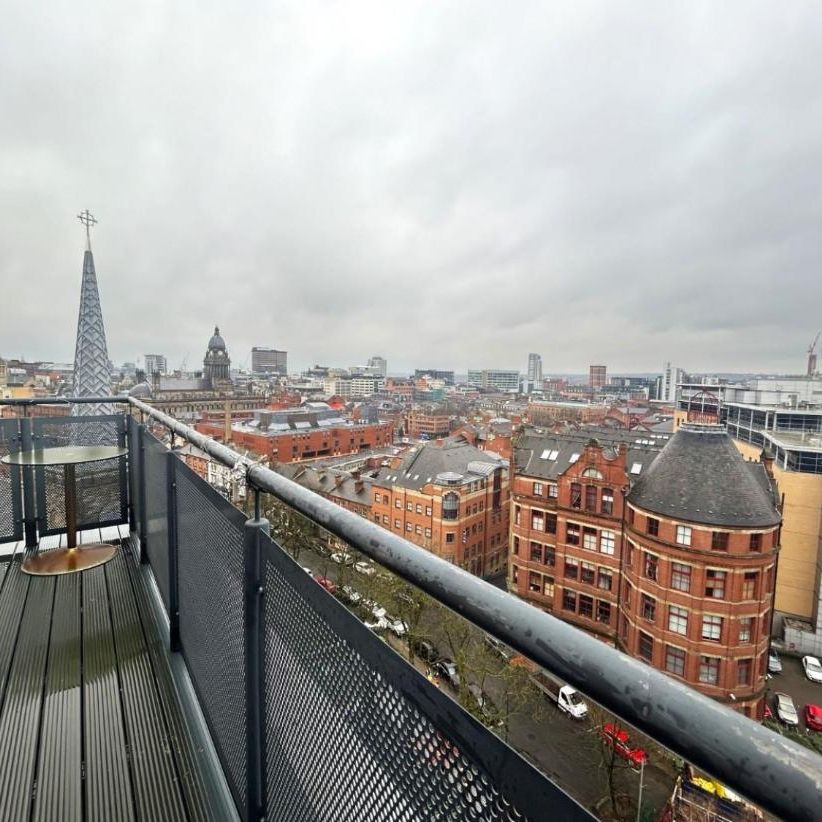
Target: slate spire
(92,377)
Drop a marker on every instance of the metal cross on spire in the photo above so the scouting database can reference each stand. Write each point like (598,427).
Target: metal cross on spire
(88,220)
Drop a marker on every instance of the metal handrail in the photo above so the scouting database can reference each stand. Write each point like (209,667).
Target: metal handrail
(770,770)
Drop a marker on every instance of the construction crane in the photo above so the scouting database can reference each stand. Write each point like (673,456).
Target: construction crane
(812,355)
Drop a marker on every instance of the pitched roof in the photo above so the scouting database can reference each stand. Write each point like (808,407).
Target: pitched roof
(424,463)
(701,477)
(549,455)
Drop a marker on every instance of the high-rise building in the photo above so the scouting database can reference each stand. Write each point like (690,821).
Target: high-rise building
(269,361)
(92,375)
(379,364)
(671,377)
(535,370)
(494,379)
(156,364)
(597,376)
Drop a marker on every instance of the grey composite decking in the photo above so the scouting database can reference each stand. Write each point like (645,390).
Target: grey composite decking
(91,727)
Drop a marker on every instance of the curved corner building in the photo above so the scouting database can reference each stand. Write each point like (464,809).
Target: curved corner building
(699,564)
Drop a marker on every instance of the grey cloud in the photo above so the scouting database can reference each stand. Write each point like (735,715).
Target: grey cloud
(453,184)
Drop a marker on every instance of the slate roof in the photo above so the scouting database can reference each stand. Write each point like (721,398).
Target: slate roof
(423,463)
(534,452)
(327,481)
(701,477)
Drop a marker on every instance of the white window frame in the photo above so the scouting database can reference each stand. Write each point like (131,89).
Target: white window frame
(607,540)
(678,622)
(683,535)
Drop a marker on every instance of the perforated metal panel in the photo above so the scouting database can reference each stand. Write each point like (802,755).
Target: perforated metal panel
(210,533)
(102,493)
(11,518)
(133,434)
(157,511)
(354,733)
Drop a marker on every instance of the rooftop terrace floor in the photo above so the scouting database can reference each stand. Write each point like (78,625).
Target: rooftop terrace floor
(91,724)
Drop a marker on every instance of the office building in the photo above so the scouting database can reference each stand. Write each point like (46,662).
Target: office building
(379,366)
(155,364)
(783,417)
(269,361)
(664,546)
(494,380)
(451,499)
(535,370)
(436,374)
(597,377)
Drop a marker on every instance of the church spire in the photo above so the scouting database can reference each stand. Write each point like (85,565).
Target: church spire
(92,377)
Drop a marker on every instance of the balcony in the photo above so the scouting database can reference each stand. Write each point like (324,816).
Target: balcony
(202,673)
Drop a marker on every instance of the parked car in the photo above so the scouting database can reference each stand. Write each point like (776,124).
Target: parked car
(498,647)
(378,624)
(326,583)
(774,663)
(620,740)
(424,649)
(813,668)
(365,568)
(483,704)
(350,594)
(397,626)
(341,558)
(813,717)
(785,709)
(448,671)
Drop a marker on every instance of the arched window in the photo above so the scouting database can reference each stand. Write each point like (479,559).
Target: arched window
(450,505)
(592,473)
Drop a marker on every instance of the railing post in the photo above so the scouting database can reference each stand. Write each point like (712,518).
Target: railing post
(141,492)
(29,513)
(254,668)
(173,586)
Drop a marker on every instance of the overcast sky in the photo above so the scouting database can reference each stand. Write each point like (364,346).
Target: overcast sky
(447,184)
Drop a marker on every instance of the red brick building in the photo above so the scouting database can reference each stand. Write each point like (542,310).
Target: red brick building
(701,543)
(449,498)
(430,423)
(298,434)
(683,588)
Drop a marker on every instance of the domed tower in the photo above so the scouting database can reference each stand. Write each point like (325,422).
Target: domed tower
(216,365)
(699,560)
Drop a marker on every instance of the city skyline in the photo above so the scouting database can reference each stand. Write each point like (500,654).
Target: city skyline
(378,191)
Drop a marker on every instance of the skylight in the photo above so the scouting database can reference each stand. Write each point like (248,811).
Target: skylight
(636,467)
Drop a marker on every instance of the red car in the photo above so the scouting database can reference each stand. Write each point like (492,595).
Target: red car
(813,717)
(620,741)
(326,583)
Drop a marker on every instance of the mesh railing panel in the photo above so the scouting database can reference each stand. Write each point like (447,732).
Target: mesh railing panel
(347,737)
(212,631)
(102,494)
(11,523)
(156,538)
(133,433)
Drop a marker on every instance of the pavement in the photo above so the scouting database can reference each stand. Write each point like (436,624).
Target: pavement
(792,681)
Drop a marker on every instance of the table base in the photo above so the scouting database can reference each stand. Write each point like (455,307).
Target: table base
(69,560)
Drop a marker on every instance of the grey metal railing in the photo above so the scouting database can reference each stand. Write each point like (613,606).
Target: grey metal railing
(312,715)
(768,769)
